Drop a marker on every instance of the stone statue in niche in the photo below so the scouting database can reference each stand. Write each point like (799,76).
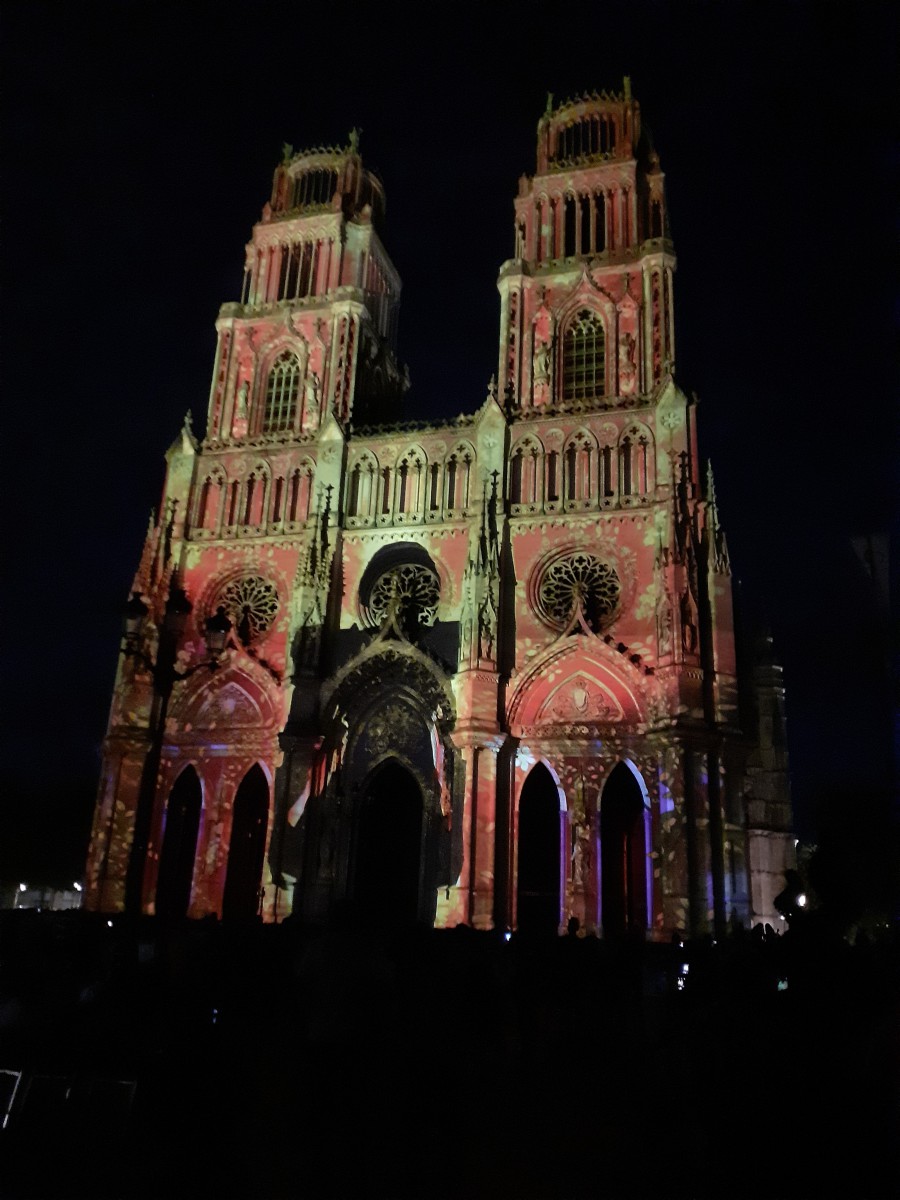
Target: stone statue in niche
(311,406)
(582,855)
(240,423)
(541,393)
(241,407)
(486,623)
(664,626)
(542,362)
(627,363)
(582,842)
(688,627)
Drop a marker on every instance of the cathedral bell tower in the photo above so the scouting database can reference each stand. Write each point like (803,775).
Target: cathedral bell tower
(316,327)
(593,215)
(239,554)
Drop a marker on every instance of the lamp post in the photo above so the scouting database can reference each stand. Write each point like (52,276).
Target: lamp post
(164,675)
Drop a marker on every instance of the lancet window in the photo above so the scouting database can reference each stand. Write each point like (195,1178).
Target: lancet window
(282,391)
(584,357)
(299,493)
(636,462)
(278,498)
(606,462)
(584,224)
(579,459)
(586,137)
(409,482)
(385,491)
(524,472)
(233,497)
(361,488)
(210,500)
(314,187)
(458,477)
(255,495)
(553,476)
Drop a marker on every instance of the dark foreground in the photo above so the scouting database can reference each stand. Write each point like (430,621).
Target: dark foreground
(204,1061)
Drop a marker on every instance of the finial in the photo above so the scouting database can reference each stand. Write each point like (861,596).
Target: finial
(354,140)
(188,421)
(710,482)
(287,153)
(492,387)
(549,109)
(627,82)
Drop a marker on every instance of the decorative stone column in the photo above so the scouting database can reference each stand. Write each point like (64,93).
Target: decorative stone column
(472,896)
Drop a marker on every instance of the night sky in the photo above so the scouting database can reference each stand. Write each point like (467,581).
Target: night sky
(139,142)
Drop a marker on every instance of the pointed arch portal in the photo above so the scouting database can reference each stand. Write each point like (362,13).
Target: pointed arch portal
(389,845)
(179,846)
(537,897)
(623,855)
(248,844)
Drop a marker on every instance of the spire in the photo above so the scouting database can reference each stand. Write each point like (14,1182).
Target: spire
(717,545)
(710,483)
(143,579)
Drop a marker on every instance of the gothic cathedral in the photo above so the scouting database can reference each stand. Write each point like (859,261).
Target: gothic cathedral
(479,671)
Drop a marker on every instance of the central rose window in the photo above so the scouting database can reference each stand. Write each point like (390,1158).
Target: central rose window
(578,578)
(417,590)
(251,603)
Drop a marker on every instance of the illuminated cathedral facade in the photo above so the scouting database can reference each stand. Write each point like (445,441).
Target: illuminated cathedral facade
(481,671)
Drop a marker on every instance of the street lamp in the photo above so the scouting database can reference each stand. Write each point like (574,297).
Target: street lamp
(217,629)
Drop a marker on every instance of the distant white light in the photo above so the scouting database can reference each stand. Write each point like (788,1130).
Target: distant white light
(782,985)
(685,967)
(77,887)
(796,843)
(801,900)
(109,923)
(507,936)
(23,887)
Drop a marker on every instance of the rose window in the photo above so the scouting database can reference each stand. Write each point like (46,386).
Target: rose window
(417,590)
(251,604)
(578,578)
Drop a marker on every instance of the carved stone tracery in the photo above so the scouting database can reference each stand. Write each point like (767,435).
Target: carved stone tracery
(416,587)
(582,578)
(251,603)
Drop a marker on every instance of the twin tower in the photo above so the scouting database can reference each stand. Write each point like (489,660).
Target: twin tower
(478,671)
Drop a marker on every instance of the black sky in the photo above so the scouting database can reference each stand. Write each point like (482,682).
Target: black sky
(138,145)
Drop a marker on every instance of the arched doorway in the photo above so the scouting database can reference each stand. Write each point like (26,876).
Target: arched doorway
(537,894)
(179,846)
(248,845)
(623,856)
(389,846)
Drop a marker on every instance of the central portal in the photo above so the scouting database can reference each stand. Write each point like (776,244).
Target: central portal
(388,847)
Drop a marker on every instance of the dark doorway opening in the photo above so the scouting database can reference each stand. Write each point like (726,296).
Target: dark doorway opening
(537,903)
(623,856)
(179,846)
(388,847)
(248,845)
